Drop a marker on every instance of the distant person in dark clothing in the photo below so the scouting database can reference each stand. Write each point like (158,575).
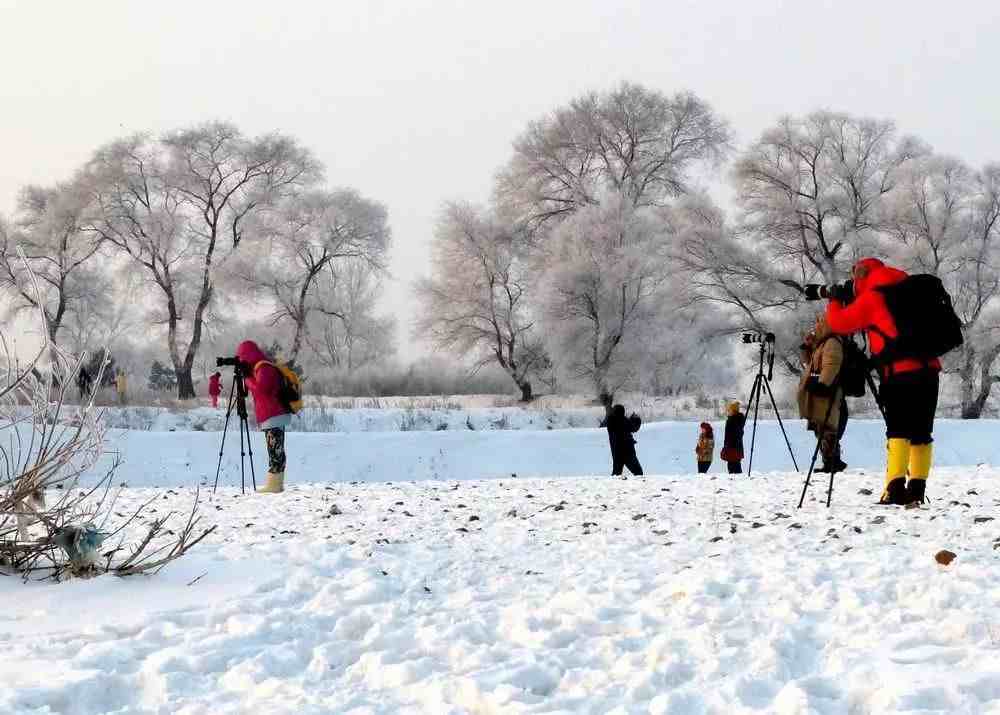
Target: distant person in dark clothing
(620,431)
(732,446)
(84,381)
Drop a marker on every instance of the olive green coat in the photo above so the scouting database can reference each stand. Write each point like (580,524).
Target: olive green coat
(824,361)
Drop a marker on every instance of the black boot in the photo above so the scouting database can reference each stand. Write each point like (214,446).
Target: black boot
(895,492)
(915,491)
(835,465)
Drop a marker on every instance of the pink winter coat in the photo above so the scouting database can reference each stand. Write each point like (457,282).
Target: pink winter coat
(263,382)
(214,386)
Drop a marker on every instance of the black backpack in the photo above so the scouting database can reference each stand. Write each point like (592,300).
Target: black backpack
(854,369)
(925,319)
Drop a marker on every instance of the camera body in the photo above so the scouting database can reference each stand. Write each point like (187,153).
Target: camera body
(843,292)
(749,338)
(239,368)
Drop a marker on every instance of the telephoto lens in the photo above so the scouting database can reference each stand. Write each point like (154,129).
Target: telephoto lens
(843,292)
(758,337)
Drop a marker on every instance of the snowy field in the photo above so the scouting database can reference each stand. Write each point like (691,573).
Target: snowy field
(441,583)
(582,595)
(190,458)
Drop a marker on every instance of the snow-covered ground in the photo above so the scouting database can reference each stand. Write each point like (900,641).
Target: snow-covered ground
(448,585)
(675,594)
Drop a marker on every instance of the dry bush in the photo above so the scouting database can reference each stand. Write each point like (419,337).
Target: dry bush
(46,448)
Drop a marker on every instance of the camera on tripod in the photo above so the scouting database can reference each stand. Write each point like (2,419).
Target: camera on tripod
(762,385)
(230,362)
(237,402)
(843,292)
(750,338)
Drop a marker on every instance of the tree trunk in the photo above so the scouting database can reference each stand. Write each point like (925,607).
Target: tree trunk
(607,399)
(296,348)
(967,373)
(185,383)
(526,395)
(973,400)
(605,394)
(182,368)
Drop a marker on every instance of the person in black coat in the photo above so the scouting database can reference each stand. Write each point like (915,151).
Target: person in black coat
(732,446)
(620,431)
(84,381)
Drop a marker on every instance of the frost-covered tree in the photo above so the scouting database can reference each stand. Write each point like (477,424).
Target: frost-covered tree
(628,148)
(180,204)
(634,143)
(810,191)
(48,229)
(302,269)
(357,336)
(476,301)
(811,198)
(944,219)
(607,277)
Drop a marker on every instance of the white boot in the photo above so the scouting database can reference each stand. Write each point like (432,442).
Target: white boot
(275,484)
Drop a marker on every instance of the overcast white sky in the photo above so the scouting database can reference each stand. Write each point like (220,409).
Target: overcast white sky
(414,102)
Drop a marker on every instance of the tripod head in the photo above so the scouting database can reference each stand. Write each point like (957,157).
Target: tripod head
(239,384)
(766,343)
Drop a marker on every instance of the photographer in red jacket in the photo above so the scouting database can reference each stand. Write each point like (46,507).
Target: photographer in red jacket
(264,382)
(909,391)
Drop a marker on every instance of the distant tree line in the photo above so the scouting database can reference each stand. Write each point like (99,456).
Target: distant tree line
(600,261)
(176,238)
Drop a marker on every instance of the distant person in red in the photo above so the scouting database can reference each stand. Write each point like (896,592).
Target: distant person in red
(215,388)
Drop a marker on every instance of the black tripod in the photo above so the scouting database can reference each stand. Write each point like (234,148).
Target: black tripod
(826,421)
(761,383)
(238,398)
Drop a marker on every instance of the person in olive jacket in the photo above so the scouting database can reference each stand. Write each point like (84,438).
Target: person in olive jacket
(820,397)
(705,449)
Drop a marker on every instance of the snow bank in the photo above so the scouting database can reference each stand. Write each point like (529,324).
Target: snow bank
(388,419)
(188,458)
(426,414)
(663,595)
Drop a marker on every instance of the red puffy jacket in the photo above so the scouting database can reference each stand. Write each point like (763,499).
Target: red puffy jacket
(264,382)
(214,385)
(869,312)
